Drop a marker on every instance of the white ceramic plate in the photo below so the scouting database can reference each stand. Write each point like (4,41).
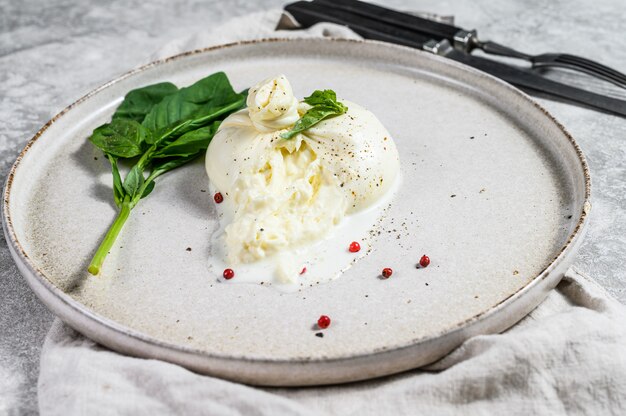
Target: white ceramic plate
(494,190)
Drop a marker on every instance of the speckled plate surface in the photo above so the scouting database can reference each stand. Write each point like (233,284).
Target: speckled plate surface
(495,191)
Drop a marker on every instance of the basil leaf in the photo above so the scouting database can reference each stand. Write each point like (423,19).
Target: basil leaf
(321,97)
(189,143)
(133,181)
(121,138)
(204,97)
(148,189)
(118,189)
(327,99)
(324,105)
(137,103)
(196,121)
(170,164)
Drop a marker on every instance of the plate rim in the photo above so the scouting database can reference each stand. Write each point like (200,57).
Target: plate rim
(21,258)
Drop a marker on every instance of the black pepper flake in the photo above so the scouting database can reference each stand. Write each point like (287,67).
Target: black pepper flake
(188,248)
(453,196)
(95,158)
(319,334)
(202,190)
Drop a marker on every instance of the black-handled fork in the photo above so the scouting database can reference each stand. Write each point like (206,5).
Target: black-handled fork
(467,40)
(307,14)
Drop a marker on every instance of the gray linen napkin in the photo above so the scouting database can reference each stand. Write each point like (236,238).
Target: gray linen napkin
(567,357)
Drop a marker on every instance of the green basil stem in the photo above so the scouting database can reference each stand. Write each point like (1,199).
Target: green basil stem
(109,238)
(118,224)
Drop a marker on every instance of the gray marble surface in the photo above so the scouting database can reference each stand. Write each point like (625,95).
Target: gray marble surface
(52,52)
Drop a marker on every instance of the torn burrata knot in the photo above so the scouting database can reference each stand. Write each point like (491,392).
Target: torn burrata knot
(288,193)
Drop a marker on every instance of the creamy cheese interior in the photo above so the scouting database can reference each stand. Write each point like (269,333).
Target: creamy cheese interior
(283,194)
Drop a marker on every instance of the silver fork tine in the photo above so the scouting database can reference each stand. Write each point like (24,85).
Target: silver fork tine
(579,64)
(595,65)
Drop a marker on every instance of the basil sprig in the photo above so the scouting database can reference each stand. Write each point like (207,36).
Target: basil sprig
(324,105)
(158,128)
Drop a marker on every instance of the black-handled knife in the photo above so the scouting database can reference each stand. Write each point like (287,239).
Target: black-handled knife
(467,40)
(309,13)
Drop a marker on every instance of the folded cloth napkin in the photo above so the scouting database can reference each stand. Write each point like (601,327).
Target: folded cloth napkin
(568,356)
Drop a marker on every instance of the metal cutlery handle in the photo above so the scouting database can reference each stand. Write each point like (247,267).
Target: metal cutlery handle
(494,48)
(411,22)
(309,13)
